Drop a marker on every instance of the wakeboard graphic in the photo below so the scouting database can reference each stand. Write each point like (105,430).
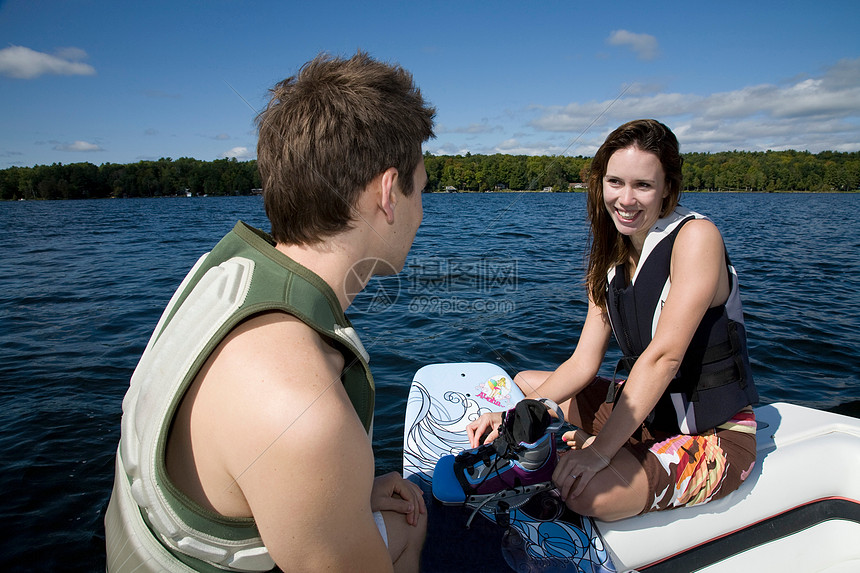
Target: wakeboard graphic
(540,536)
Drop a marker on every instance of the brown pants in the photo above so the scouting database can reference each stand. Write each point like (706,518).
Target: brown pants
(683,470)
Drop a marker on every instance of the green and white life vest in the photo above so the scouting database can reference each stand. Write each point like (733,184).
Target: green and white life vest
(150,525)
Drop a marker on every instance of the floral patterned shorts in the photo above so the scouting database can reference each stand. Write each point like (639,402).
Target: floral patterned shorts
(683,470)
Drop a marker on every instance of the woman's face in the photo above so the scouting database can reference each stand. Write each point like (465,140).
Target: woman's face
(634,187)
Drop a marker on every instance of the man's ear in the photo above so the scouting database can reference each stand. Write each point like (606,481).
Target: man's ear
(387,194)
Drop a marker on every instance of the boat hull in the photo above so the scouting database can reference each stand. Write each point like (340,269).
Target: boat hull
(794,513)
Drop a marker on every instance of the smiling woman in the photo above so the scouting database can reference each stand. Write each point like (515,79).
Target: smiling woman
(660,281)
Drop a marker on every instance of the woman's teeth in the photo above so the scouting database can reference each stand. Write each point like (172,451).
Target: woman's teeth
(626,215)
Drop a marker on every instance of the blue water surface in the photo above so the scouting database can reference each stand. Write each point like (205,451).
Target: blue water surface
(491,277)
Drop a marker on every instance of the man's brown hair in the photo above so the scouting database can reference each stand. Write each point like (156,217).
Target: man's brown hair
(327,132)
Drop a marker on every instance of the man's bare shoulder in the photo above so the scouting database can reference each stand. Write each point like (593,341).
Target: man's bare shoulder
(272,388)
(273,367)
(274,339)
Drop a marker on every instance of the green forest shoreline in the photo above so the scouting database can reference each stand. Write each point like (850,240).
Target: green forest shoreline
(685,191)
(731,171)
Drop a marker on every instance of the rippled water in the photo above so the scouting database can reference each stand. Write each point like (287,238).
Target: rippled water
(493,277)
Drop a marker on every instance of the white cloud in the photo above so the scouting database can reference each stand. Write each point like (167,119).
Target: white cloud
(514,146)
(71,54)
(482,127)
(448,148)
(812,114)
(24,63)
(645,45)
(78,146)
(240,153)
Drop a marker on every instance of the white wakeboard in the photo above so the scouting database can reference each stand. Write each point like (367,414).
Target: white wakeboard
(542,535)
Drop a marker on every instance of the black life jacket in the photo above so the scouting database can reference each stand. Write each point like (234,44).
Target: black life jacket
(714,380)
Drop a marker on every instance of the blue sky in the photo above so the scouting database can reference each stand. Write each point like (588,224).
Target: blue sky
(116,81)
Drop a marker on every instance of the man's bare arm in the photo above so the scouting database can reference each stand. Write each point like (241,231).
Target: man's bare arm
(291,447)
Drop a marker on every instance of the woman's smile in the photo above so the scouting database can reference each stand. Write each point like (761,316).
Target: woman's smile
(633,191)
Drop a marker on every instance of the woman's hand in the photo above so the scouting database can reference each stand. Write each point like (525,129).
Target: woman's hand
(576,468)
(578,439)
(393,493)
(487,422)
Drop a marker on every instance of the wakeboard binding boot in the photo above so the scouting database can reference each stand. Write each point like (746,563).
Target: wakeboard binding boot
(505,474)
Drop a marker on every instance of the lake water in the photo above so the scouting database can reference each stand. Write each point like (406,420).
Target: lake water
(491,277)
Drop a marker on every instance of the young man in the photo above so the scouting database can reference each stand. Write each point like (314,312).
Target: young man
(245,435)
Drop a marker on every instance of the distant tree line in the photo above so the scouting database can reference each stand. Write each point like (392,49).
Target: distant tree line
(772,171)
(498,172)
(725,171)
(163,178)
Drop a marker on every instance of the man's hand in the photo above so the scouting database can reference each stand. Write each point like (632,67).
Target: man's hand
(393,493)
